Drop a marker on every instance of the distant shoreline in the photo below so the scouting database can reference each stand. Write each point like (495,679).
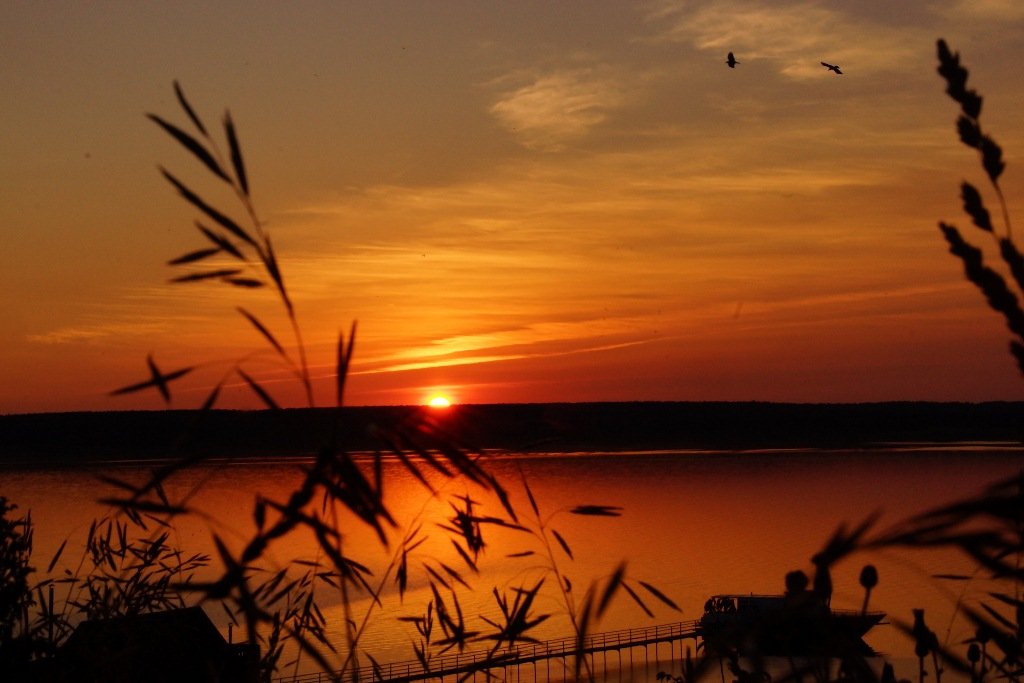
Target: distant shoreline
(69,439)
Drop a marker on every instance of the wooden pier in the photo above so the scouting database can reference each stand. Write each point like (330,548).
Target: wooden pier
(561,651)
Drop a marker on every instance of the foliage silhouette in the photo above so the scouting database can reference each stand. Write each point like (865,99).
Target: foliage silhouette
(18,642)
(132,569)
(987,528)
(1001,296)
(337,492)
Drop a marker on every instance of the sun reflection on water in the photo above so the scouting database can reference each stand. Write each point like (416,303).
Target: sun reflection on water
(693,525)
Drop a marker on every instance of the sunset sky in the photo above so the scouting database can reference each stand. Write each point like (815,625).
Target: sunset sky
(517,201)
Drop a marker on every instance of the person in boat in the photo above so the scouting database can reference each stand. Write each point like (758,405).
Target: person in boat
(798,600)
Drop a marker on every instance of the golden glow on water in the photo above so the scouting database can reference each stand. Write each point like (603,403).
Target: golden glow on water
(693,525)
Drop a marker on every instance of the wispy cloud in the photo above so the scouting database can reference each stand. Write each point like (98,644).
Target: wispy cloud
(554,108)
(88,333)
(495,358)
(520,341)
(69,335)
(795,36)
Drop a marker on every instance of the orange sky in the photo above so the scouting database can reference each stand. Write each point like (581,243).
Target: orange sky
(525,201)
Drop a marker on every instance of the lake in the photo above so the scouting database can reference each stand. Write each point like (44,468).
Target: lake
(693,524)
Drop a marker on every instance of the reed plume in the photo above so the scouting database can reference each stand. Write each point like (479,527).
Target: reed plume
(1002,297)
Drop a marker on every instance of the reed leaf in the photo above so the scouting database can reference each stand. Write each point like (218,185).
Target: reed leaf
(262,329)
(245,282)
(158,380)
(503,498)
(414,540)
(284,591)
(378,474)
(1007,599)
(192,145)
(236,154)
(969,131)
(212,397)
(614,583)
(597,510)
(270,262)
(1017,351)
(529,495)
(215,215)
(429,458)
(411,468)
(402,574)
(1013,258)
(975,207)
(377,672)
(583,630)
(1006,623)
(562,542)
(188,109)
(355,568)
(309,648)
(464,554)
(158,521)
(207,275)
(56,556)
(222,242)
(991,158)
(344,362)
(436,576)
(661,596)
(258,390)
(329,579)
(259,513)
(991,283)
(160,493)
(454,574)
(193,256)
(636,598)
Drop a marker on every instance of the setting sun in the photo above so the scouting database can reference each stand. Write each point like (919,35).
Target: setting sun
(439,402)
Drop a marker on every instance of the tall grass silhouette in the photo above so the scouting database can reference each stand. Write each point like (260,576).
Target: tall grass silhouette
(279,607)
(129,567)
(987,528)
(1001,296)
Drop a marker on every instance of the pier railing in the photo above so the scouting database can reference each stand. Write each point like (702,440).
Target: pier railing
(520,653)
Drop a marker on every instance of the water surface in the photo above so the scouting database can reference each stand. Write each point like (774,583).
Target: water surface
(693,524)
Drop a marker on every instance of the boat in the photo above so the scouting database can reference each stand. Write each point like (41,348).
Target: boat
(794,624)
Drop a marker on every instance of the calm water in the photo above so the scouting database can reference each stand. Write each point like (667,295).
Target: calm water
(694,524)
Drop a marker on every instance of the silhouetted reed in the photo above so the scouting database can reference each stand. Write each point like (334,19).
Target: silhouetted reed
(129,568)
(988,528)
(1001,297)
(18,640)
(125,570)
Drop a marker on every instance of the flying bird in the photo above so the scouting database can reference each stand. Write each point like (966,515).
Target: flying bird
(831,67)
(731,61)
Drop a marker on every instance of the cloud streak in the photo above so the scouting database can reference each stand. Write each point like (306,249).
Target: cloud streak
(793,36)
(553,109)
